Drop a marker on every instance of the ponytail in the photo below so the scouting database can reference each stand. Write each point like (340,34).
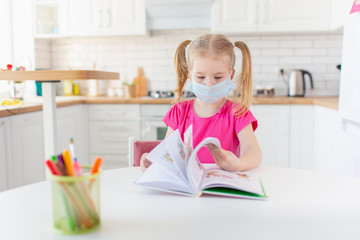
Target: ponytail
(244,87)
(181,68)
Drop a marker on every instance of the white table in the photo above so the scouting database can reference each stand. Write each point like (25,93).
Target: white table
(301,205)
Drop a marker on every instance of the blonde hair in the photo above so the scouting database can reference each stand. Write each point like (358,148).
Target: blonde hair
(218,45)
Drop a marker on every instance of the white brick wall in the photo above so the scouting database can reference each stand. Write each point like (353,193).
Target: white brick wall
(318,54)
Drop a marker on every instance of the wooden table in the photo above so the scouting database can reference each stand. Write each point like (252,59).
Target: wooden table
(302,205)
(49,78)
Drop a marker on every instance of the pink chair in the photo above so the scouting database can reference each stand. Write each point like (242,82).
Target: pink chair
(137,148)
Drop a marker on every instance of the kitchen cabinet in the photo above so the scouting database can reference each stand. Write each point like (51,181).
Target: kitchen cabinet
(105,18)
(17,37)
(249,16)
(273,133)
(48,18)
(22,144)
(27,162)
(110,126)
(301,136)
(72,123)
(5,151)
(326,131)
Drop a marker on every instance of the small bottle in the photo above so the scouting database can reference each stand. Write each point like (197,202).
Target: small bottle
(76,89)
(68,87)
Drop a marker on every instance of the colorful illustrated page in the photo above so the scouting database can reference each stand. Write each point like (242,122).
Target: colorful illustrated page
(159,177)
(195,169)
(217,177)
(177,151)
(164,155)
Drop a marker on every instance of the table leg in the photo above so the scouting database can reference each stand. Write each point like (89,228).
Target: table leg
(50,121)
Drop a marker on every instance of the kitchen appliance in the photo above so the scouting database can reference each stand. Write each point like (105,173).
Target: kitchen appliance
(152,126)
(297,84)
(168,94)
(349,101)
(348,137)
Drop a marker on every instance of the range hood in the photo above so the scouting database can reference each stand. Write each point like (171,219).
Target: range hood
(178,14)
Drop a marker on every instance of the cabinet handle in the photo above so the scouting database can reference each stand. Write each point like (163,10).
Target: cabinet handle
(109,18)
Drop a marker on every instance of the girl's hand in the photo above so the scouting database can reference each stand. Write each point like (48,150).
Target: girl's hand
(144,162)
(224,159)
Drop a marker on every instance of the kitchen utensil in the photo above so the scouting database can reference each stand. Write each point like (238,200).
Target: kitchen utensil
(140,83)
(297,82)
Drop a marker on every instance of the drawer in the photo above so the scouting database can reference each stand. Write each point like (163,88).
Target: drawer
(112,137)
(129,112)
(154,110)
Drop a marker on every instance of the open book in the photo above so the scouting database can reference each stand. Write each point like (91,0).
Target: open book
(175,167)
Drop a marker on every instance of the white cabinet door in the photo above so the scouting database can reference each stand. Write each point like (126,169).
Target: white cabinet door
(84,17)
(326,131)
(301,136)
(233,16)
(5,151)
(27,163)
(110,126)
(288,15)
(124,17)
(273,133)
(249,16)
(109,17)
(72,123)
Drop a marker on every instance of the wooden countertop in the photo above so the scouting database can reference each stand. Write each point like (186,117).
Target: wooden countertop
(36,104)
(57,75)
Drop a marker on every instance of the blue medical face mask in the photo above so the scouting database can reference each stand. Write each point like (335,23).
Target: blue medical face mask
(211,94)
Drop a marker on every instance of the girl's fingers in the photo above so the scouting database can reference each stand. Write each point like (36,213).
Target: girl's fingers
(144,162)
(212,147)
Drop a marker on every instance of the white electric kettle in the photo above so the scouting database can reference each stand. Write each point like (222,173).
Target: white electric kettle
(297,83)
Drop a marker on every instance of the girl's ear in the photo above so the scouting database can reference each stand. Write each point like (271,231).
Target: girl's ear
(232,74)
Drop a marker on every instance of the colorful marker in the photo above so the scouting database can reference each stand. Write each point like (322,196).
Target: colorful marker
(51,167)
(72,149)
(68,162)
(96,165)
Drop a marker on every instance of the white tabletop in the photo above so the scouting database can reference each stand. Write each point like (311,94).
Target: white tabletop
(301,205)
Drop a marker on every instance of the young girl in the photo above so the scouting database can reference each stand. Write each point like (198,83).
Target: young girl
(208,62)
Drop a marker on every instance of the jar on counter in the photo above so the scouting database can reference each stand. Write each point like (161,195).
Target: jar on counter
(270,90)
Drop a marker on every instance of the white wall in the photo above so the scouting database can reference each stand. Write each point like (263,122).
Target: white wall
(318,53)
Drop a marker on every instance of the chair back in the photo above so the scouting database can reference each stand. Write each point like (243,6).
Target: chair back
(138,149)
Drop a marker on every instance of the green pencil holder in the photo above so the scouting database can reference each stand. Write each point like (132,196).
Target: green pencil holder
(76,202)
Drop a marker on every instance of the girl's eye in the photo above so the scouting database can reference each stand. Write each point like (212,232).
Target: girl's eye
(218,78)
(201,77)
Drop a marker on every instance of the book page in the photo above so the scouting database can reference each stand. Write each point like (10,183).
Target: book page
(170,154)
(216,177)
(188,141)
(176,149)
(195,170)
(159,177)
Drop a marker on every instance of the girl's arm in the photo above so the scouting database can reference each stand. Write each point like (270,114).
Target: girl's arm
(251,153)
(169,131)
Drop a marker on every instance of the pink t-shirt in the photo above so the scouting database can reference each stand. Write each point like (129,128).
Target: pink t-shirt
(223,125)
